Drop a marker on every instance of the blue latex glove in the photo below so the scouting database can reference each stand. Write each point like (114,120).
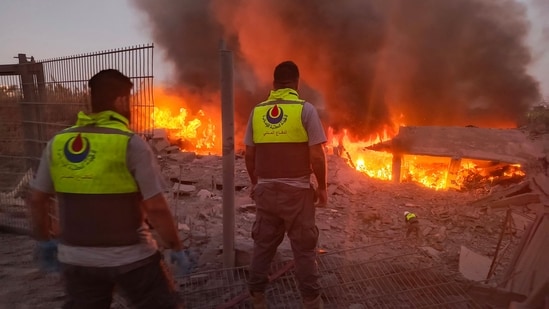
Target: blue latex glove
(182,259)
(46,255)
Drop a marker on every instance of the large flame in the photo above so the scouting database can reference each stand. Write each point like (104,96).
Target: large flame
(198,132)
(431,172)
(192,132)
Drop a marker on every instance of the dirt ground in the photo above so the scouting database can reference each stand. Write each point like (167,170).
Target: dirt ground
(361,211)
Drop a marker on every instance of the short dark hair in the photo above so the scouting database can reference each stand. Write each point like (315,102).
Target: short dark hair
(106,86)
(286,72)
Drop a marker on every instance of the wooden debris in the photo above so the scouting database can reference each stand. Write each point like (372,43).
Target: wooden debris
(517,200)
(179,188)
(542,183)
(482,202)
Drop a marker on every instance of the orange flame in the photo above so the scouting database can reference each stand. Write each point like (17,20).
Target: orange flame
(431,172)
(198,133)
(191,132)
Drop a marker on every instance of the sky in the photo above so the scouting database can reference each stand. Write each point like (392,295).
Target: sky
(57,28)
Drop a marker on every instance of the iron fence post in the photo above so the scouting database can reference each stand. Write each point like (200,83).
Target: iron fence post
(227,116)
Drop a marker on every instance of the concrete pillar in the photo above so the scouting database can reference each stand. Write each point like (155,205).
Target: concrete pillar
(453,169)
(397,167)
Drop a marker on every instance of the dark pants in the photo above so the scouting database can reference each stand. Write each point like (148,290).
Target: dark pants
(145,284)
(413,227)
(285,209)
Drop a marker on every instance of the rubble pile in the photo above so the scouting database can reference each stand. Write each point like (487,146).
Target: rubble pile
(486,235)
(360,211)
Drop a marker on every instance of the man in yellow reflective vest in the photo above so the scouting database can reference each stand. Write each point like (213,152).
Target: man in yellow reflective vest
(284,146)
(413,224)
(105,182)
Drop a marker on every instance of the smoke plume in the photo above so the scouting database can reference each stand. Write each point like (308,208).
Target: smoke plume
(368,65)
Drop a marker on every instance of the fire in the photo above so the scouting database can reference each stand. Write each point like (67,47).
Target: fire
(190,132)
(431,172)
(197,132)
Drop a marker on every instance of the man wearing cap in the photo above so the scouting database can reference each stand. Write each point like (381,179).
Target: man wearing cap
(284,146)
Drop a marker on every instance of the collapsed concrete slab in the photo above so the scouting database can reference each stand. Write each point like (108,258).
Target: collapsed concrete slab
(511,146)
(506,145)
(472,265)
(528,273)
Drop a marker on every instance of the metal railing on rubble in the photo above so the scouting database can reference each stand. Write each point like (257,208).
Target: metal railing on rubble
(392,274)
(372,276)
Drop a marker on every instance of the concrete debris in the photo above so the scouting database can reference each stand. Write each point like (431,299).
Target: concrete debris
(521,222)
(432,252)
(505,145)
(159,145)
(204,194)
(246,207)
(472,265)
(172,149)
(182,157)
(541,182)
(426,231)
(160,134)
(362,210)
(178,188)
(183,227)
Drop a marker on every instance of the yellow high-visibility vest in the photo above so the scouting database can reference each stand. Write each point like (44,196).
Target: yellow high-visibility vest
(410,216)
(278,120)
(88,161)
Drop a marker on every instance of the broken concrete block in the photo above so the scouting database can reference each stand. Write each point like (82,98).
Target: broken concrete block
(182,156)
(160,145)
(521,222)
(247,207)
(204,194)
(332,189)
(431,252)
(183,227)
(172,149)
(472,213)
(426,231)
(369,216)
(178,188)
(472,265)
(160,134)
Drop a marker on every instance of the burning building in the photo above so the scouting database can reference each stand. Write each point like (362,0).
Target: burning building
(370,67)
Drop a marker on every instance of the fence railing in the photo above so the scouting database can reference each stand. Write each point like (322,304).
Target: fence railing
(40,98)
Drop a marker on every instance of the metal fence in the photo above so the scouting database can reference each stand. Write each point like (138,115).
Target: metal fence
(380,275)
(39,98)
(389,275)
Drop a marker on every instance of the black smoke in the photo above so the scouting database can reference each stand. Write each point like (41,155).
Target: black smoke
(367,64)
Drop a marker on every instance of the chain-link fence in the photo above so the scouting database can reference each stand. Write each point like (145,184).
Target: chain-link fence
(39,98)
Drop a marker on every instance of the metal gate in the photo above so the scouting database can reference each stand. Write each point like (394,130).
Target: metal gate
(39,98)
